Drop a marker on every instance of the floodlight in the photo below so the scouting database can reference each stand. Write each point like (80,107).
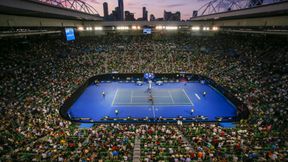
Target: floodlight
(122,28)
(89,28)
(80,28)
(98,28)
(159,27)
(171,27)
(215,28)
(195,28)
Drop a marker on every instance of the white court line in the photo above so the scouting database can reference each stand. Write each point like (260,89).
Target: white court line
(188,97)
(148,96)
(171,97)
(131,96)
(139,96)
(147,104)
(114,97)
(153,111)
(197,96)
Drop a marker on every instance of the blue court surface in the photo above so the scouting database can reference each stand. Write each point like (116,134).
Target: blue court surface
(170,100)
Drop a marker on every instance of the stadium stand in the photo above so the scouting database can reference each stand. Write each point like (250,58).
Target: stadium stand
(40,73)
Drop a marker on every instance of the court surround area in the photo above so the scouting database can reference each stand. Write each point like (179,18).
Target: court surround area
(121,99)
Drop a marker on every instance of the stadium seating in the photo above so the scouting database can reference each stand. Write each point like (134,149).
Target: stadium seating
(37,75)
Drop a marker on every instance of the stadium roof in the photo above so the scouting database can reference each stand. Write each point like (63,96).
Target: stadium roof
(269,10)
(37,9)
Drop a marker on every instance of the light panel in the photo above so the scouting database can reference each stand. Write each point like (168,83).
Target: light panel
(80,28)
(88,28)
(215,28)
(122,28)
(195,28)
(98,28)
(206,28)
(159,27)
(171,27)
(134,27)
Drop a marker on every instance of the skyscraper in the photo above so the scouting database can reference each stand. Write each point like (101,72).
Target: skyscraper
(169,16)
(152,17)
(145,14)
(105,10)
(129,16)
(121,10)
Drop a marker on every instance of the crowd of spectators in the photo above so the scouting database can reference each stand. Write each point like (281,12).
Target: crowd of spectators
(38,75)
(162,142)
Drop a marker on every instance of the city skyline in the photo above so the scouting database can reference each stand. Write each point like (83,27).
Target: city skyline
(155,7)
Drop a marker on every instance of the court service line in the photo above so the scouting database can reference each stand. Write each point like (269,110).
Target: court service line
(197,96)
(114,97)
(188,97)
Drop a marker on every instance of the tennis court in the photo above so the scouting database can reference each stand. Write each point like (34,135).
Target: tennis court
(170,100)
(167,97)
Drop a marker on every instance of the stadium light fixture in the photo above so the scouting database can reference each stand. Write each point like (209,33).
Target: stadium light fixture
(134,27)
(195,28)
(80,28)
(89,28)
(215,28)
(98,28)
(171,27)
(122,28)
(159,27)
(206,28)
